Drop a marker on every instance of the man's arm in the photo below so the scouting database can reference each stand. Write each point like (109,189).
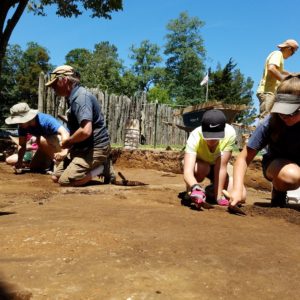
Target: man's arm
(274,71)
(82,133)
(63,132)
(239,171)
(221,176)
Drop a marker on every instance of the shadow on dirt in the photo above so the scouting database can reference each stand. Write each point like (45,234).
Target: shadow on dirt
(8,292)
(185,200)
(5,213)
(290,213)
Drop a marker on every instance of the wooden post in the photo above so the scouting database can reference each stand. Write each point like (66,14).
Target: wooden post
(132,134)
(41,92)
(155,122)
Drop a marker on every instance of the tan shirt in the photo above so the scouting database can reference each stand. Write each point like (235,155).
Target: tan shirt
(269,83)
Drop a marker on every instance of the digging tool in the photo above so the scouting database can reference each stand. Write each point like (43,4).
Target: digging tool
(126,182)
(21,170)
(233,209)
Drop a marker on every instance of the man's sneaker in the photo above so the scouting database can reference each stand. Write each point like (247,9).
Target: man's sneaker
(279,199)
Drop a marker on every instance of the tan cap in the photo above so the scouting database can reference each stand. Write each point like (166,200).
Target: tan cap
(20,113)
(289,43)
(60,71)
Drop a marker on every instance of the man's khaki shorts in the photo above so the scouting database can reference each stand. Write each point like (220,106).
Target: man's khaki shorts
(79,163)
(266,101)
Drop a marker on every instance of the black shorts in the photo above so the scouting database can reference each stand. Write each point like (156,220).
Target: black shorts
(267,159)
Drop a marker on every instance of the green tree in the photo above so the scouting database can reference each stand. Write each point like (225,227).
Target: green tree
(78,59)
(35,60)
(10,91)
(129,84)
(104,69)
(15,8)
(160,94)
(146,59)
(229,86)
(185,62)
(20,73)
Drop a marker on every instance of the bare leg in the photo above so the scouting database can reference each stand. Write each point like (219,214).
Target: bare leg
(284,174)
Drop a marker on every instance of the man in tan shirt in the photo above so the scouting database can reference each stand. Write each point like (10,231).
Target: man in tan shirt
(273,74)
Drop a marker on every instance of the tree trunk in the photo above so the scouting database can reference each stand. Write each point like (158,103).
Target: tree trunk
(7,29)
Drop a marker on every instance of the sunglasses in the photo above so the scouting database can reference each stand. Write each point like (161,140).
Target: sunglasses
(56,75)
(293,50)
(290,115)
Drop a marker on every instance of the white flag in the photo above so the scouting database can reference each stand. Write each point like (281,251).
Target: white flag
(204,80)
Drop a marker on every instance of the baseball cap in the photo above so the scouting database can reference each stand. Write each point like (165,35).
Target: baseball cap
(213,124)
(20,113)
(60,71)
(289,43)
(286,104)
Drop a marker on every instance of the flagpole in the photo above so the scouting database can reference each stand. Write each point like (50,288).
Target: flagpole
(206,97)
(205,82)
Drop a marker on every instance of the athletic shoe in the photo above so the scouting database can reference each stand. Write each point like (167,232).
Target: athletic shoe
(279,199)
(223,201)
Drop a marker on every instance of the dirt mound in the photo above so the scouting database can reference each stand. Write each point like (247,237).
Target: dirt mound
(170,161)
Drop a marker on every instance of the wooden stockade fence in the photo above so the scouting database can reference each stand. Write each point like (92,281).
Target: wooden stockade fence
(117,110)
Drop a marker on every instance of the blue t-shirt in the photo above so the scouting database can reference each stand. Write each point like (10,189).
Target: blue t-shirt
(84,106)
(286,145)
(46,125)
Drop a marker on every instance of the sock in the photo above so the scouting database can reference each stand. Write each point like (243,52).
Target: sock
(97,171)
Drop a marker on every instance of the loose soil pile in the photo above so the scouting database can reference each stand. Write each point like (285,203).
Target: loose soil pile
(114,242)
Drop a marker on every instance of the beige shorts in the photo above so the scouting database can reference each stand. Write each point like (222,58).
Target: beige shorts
(266,101)
(79,163)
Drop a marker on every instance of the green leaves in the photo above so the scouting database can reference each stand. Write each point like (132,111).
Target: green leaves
(69,8)
(229,86)
(146,60)
(185,62)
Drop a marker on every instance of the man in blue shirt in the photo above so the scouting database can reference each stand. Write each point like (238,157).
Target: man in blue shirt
(48,131)
(89,143)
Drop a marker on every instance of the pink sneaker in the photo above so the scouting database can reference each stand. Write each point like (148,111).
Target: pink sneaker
(198,197)
(223,201)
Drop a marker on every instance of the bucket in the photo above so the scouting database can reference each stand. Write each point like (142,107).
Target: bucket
(132,134)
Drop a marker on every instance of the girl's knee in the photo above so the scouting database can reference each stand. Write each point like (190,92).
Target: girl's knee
(290,175)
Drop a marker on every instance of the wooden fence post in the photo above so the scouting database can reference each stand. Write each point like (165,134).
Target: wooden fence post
(155,122)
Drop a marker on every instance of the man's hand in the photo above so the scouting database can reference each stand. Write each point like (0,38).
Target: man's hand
(66,144)
(59,156)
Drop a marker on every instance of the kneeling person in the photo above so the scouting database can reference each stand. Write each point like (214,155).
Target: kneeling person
(47,130)
(89,143)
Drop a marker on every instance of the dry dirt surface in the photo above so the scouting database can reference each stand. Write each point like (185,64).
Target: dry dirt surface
(131,243)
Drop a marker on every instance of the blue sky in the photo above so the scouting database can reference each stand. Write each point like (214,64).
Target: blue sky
(247,31)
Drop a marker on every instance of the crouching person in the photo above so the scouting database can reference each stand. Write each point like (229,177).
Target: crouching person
(89,143)
(207,154)
(47,130)
(280,132)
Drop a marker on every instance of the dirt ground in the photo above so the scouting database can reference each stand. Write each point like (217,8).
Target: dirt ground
(114,242)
